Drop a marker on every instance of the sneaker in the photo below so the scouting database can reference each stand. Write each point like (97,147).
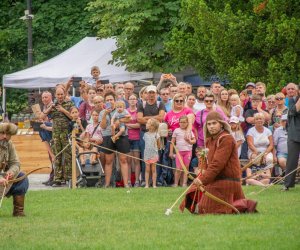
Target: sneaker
(56,184)
(143,184)
(154,186)
(137,184)
(146,186)
(284,189)
(174,185)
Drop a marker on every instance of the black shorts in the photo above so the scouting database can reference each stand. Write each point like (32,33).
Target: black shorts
(121,145)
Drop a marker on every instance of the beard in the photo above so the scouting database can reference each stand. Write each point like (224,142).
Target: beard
(3,144)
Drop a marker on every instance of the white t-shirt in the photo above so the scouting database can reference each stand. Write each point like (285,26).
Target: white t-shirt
(260,140)
(198,106)
(238,136)
(181,143)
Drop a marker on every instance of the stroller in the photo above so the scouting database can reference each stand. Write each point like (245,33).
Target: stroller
(89,175)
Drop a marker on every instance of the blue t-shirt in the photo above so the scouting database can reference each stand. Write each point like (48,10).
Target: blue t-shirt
(76,100)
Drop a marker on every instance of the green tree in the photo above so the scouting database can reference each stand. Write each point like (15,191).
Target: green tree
(240,40)
(141,29)
(237,40)
(57,25)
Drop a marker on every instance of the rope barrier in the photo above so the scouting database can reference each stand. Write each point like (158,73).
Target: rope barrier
(115,151)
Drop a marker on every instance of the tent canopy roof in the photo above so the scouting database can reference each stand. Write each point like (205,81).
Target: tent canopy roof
(76,61)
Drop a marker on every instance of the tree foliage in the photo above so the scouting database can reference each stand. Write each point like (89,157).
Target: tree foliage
(57,25)
(240,40)
(237,40)
(141,29)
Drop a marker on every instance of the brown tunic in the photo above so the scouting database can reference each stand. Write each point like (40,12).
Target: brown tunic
(221,178)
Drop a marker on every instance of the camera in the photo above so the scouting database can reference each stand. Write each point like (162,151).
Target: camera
(55,102)
(76,81)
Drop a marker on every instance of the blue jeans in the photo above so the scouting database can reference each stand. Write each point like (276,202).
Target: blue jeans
(142,148)
(166,174)
(19,188)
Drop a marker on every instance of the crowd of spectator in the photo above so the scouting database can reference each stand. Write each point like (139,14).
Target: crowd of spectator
(116,119)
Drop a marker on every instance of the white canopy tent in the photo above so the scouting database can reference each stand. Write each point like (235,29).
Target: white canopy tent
(76,61)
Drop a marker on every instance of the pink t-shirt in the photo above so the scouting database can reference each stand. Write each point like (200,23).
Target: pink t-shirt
(181,143)
(172,118)
(133,133)
(97,134)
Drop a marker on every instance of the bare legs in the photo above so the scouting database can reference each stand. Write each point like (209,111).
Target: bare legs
(150,168)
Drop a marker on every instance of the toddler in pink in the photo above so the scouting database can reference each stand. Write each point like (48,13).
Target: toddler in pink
(184,145)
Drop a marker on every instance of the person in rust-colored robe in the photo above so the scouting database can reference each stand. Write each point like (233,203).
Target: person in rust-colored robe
(222,175)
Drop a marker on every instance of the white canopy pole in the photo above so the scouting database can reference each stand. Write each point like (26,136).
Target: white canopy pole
(4,99)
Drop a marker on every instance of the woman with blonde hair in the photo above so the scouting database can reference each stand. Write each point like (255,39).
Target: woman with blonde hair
(259,139)
(223,102)
(236,108)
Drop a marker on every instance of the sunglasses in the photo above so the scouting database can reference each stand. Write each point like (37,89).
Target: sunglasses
(209,101)
(279,98)
(179,101)
(99,90)
(164,94)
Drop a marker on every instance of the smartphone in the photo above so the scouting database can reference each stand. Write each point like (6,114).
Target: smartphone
(107,105)
(76,81)
(104,81)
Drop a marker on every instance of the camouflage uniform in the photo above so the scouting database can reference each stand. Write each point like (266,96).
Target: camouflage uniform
(63,162)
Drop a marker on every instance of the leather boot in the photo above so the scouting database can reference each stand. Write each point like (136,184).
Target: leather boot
(18,201)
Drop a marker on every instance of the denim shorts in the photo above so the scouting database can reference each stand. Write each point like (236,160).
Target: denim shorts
(282,155)
(134,145)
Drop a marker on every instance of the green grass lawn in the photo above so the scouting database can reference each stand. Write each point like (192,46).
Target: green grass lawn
(115,219)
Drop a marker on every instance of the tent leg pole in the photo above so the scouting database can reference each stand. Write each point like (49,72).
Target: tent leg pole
(4,100)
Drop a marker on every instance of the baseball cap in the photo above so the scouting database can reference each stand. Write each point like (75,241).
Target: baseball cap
(234,119)
(151,88)
(250,84)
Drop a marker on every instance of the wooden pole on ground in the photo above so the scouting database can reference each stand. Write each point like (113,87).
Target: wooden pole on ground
(74,158)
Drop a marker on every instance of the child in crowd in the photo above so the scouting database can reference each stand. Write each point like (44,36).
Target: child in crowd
(87,159)
(184,144)
(120,93)
(81,124)
(152,144)
(95,72)
(120,129)
(237,133)
(236,108)
(86,107)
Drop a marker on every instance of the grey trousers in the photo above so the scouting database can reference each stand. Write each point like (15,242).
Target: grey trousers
(292,163)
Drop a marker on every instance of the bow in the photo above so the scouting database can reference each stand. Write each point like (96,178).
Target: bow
(250,163)
(202,189)
(25,175)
